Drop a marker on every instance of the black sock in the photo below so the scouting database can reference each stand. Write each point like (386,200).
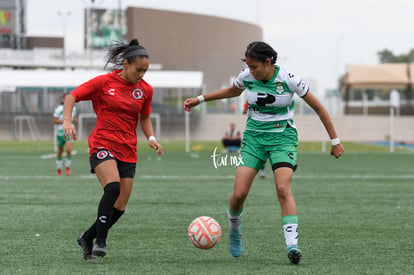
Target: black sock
(90,234)
(105,210)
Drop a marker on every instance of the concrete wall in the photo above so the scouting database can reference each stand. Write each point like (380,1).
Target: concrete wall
(310,128)
(44,41)
(186,41)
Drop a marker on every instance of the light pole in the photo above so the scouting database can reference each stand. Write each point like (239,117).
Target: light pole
(337,43)
(64,18)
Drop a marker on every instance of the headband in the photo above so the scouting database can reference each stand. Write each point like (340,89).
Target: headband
(137,52)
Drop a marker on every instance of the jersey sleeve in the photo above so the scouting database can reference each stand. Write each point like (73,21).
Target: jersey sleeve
(297,85)
(87,90)
(74,112)
(239,81)
(146,107)
(56,112)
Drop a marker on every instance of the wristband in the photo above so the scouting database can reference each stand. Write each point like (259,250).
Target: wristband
(151,138)
(201,98)
(335,141)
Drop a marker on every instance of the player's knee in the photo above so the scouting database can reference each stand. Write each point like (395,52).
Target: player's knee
(283,192)
(113,188)
(238,198)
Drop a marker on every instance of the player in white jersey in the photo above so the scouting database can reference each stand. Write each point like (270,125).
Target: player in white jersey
(270,134)
(61,142)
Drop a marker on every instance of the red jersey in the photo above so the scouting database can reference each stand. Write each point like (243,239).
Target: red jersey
(117,105)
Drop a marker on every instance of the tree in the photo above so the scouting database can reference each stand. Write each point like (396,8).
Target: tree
(387,56)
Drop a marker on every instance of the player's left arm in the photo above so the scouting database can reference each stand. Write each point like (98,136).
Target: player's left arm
(337,150)
(146,126)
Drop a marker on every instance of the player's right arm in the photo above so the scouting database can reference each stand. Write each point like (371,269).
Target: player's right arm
(57,115)
(85,91)
(69,131)
(235,90)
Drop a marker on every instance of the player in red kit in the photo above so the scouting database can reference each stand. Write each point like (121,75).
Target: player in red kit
(121,99)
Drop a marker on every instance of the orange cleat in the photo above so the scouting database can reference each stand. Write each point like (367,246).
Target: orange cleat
(59,172)
(68,172)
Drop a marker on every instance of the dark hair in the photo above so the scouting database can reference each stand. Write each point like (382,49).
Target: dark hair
(62,99)
(261,51)
(120,51)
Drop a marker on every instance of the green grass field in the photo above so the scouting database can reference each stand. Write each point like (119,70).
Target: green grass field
(355,214)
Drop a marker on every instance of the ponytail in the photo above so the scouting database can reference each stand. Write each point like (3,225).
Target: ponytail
(120,51)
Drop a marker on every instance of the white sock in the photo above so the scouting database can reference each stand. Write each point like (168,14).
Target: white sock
(234,221)
(68,162)
(58,164)
(291,233)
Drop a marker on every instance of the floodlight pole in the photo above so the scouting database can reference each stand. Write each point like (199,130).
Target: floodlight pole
(187,131)
(64,16)
(394,104)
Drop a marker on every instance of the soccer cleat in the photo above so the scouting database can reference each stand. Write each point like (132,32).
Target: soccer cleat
(294,254)
(86,247)
(68,172)
(59,172)
(235,244)
(99,250)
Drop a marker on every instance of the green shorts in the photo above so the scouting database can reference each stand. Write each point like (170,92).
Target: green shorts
(59,138)
(279,148)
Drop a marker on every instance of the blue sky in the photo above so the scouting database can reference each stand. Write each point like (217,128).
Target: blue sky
(314,38)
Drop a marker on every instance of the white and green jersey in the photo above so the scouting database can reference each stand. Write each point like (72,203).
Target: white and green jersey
(58,113)
(271,103)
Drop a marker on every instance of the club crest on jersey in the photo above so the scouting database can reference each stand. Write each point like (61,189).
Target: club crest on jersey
(279,88)
(137,93)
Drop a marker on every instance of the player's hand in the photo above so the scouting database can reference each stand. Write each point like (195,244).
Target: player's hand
(190,103)
(69,131)
(155,145)
(337,150)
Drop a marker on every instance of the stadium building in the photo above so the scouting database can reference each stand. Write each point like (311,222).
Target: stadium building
(190,53)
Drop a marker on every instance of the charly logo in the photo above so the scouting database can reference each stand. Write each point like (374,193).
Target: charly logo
(103,219)
(137,93)
(226,159)
(102,154)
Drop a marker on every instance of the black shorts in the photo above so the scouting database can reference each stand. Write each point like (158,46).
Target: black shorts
(125,169)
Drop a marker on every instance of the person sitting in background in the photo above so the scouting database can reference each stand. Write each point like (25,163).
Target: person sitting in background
(232,139)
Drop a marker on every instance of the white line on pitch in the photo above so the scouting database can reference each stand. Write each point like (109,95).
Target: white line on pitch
(207,177)
(50,156)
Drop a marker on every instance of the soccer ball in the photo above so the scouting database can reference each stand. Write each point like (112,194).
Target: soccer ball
(204,232)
